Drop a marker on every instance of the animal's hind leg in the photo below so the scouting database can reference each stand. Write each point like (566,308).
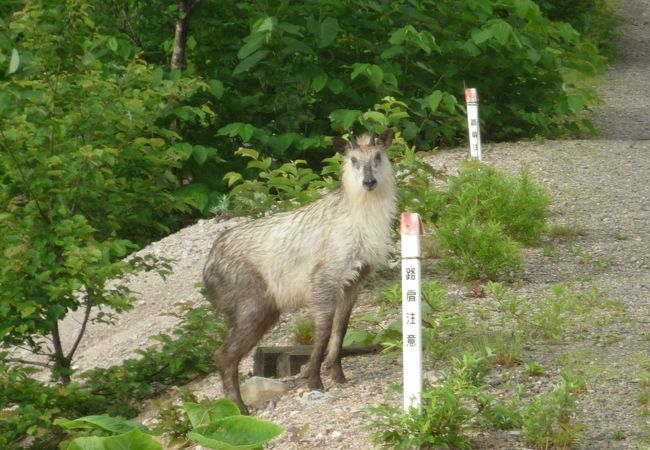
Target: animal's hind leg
(247,328)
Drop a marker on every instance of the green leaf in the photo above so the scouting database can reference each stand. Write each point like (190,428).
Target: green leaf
(14,63)
(326,32)
(133,440)
(501,31)
(200,154)
(391,52)
(202,415)
(232,178)
(250,62)
(575,102)
(567,32)
(357,69)
(297,46)
(216,88)
(195,194)
(112,43)
(433,100)
(481,36)
(107,423)
(344,118)
(236,433)
(254,42)
(377,117)
(336,86)
(449,102)
(359,337)
(376,75)
(319,81)
(157,76)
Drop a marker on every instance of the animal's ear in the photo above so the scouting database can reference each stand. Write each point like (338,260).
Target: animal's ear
(385,139)
(340,144)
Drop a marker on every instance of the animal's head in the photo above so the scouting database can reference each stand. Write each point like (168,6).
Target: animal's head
(366,165)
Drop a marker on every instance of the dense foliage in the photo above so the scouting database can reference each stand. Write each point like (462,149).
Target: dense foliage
(287,76)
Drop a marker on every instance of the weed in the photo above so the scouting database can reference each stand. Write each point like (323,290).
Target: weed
(551,251)
(487,214)
(498,414)
(549,420)
(446,410)
(302,330)
(534,369)
(643,397)
(565,231)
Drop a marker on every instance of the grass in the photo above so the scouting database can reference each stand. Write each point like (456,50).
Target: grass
(302,330)
(487,341)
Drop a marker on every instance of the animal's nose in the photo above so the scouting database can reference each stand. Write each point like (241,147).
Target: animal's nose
(369,184)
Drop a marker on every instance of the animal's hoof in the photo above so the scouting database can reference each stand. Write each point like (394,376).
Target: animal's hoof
(315,385)
(337,375)
(340,379)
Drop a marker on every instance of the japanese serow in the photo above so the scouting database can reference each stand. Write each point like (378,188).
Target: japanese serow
(316,256)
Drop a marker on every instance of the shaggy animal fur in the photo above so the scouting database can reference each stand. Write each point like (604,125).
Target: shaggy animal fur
(318,255)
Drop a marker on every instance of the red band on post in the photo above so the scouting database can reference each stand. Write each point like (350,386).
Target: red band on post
(471,95)
(411,224)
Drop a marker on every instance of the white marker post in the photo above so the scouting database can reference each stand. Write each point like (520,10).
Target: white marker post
(471,99)
(411,230)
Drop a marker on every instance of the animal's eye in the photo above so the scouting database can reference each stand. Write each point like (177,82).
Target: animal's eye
(354,161)
(377,158)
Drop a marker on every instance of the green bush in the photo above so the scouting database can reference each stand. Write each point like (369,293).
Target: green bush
(29,406)
(284,76)
(486,215)
(595,20)
(446,410)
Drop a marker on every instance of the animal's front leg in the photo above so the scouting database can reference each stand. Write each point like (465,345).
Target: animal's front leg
(323,314)
(339,328)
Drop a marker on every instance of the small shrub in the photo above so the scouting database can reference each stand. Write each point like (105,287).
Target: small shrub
(486,215)
(177,360)
(534,369)
(445,413)
(517,203)
(302,330)
(447,410)
(549,420)
(498,414)
(477,250)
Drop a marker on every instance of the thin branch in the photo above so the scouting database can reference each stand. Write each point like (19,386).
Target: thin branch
(28,186)
(24,361)
(89,305)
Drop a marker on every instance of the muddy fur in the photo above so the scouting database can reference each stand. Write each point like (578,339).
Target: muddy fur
(316,256)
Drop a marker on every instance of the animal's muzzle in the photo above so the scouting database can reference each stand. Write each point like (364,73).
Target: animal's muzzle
(369,184)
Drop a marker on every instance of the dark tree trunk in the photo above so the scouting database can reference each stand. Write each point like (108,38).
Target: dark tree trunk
(185,10)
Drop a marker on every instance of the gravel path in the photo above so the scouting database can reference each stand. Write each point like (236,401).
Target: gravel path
(599,185)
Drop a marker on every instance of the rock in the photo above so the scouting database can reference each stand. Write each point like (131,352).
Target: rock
(257,391)
(315,397)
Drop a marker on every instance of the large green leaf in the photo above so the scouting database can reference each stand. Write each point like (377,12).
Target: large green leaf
(202,415)
(236,433)
(250,61)
(107,423)
(195,194)
(326,32)
(133,440)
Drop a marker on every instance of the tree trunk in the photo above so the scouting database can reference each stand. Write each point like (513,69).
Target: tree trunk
(185,10)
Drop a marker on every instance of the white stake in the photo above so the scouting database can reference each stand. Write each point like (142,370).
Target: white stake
(471,99)
(411,230)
